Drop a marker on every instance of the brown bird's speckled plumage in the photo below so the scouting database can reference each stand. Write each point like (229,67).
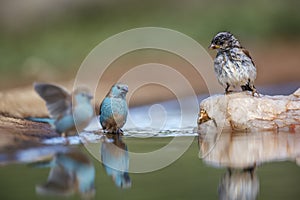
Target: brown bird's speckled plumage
(233,64)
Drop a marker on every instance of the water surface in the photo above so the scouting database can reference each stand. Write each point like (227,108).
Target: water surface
(261,165)
(188,178)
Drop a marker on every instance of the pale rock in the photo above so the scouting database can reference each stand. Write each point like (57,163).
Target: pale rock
(241,111)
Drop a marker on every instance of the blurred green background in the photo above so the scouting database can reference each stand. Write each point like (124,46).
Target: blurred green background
(48,40)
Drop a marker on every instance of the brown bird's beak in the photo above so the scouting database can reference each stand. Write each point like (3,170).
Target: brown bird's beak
(214,46)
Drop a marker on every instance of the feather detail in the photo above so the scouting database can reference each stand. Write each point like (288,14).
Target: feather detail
(58,100)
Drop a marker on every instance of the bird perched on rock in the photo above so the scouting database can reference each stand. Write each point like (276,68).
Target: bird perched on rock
(233,64)
(113,109)
(64,116)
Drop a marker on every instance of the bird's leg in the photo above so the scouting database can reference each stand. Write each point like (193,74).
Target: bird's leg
(229,171)
(254,91)
(99,131)
(226,89)
(250,87)
(250,170)
(246,88)
(120,131)
(66,139)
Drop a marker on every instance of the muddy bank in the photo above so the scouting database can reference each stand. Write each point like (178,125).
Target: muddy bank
(20,133)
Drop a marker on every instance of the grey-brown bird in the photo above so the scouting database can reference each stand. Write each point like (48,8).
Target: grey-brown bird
(233,64)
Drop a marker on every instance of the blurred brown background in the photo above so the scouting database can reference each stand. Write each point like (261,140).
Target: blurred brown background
(44,40)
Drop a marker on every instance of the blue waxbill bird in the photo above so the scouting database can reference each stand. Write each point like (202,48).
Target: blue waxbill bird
(59,104)
(114,109)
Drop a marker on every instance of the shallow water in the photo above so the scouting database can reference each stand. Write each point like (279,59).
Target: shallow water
(179,163)
(189,177)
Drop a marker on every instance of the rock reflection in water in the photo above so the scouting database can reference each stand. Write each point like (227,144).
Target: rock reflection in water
(71,172)
(115,159)
(242,153)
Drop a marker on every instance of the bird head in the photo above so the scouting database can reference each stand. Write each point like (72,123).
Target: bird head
(224,41)
(82,95)
(118,90)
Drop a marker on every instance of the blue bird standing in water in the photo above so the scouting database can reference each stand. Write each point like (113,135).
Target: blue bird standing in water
(59,104)
(114,109)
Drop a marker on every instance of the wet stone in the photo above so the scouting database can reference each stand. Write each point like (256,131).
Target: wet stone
(242,112)
(18,133)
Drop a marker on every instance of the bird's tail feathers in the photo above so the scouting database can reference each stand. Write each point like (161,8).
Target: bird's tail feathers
(42,164)
(40,119)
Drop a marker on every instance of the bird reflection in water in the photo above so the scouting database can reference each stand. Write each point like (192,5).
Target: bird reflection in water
(239,184)
(71,172)
(241,154)
(115,159)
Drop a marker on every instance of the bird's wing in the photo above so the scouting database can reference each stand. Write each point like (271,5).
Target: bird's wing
(58,100)
(100,108)
(105,101)
(246,52)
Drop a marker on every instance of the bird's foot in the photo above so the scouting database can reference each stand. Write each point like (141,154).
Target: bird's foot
(250,88)
(255,92)
(228,91)
(66,141)
(98,132)
(119,131)
(113,132)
